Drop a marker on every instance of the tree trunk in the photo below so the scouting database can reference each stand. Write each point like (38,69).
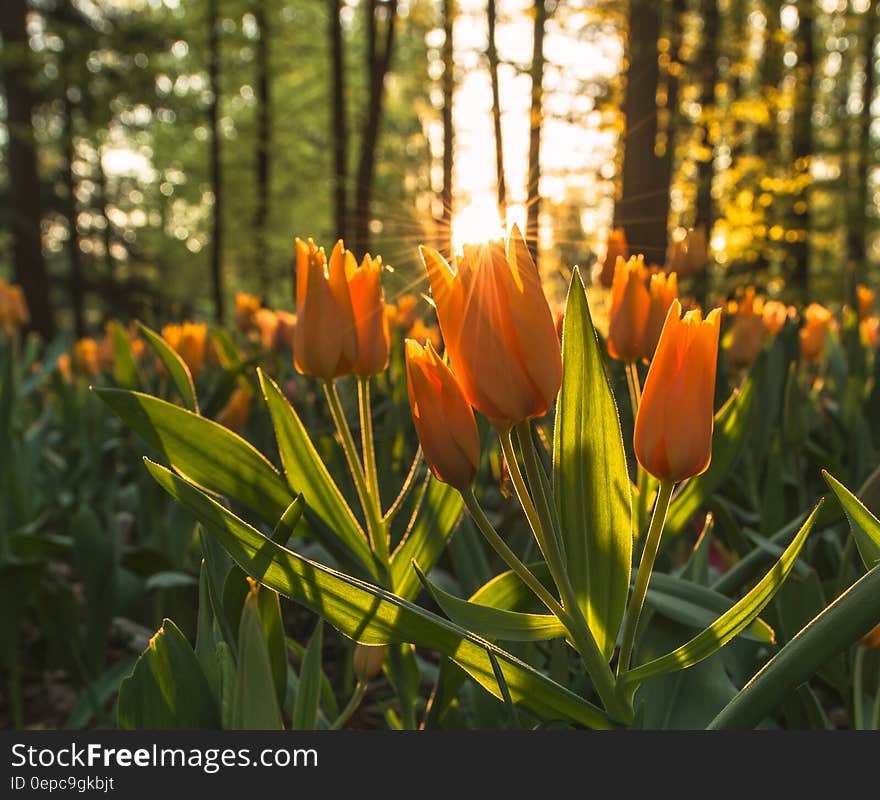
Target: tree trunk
(379,56)
(216,168)
(264,144)
(445,232)
(803,142)
(339,125)
(709,77)
(643,208)
(533,206)
(24,181)
(75,282)
(492,56)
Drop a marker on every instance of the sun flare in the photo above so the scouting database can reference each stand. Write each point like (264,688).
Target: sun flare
(480,222)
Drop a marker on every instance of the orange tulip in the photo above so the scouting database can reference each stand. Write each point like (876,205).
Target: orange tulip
(246,307)
(630,305)
(371,323)
(663,290)
(285,331)
(747,332)
(64,368)
(189,339)
(235,413)
(443,417)
(405,311)
(13,307)
(673,432)
(616,247)
(425,333)
(872,638)
(774,314)
(498,329)
(870,332)
(85,353)
(325,339)
(865,298)
(265,323)
(814,333)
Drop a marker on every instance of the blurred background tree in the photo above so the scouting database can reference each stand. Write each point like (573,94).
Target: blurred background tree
(160,155)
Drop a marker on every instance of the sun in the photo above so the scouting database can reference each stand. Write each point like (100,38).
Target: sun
(477,223)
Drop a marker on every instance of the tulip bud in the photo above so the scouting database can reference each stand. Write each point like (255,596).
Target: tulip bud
(865,298)
(616,247)
(498,329)
(673,431)
(325,338)
(367,661)
(371,323)
(246,307)
(814,333)
(235,413)
(85,353)
(663,290)
(443,417)
(774,314)
(630,304)
(747,332)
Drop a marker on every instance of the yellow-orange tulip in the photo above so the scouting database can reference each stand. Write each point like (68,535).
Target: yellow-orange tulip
(246,307)
(616,247)
(284,333)
(498,329)
(325,339)
(775,315)
(630,304)
(865,298)
(404,311)
(265,324)
(869,329)
(673,432)
(425,333)
(371,323)
(13,307)
(443,418)
(189,339)
(64,368)
(747,332)
(235,413)
(814,333)
(85,353)
(663,290)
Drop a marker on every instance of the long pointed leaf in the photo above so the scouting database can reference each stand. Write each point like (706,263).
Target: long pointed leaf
(590,479)
(864,525)
(731,622)
(372,615)
(176,366)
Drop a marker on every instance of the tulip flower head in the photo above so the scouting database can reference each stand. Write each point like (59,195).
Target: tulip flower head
(673,430)
(746,337)
(246,308)
(630,305)
(663,289)
(865,299)
(498,329)
(86,356)
(325,338)
(775,315)
(235,413)
(13,307)
(616,247)
(371,322)
(814,333)
(189,339)
(443,418)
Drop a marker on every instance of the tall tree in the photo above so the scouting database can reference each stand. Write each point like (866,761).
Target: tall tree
(445,234)
(643,208)
(708,80)
(535,121)
(216,167)
(24,183)
(75,278)
(379,52)
(492,57)
(339,124)
(263,146)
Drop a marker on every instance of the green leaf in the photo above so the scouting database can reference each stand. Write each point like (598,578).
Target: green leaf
(864,525)
(729,624)
(728,439)
(425,539)
(696,606)
(167,689)
(124,369)
(845,621)
(207,454)
(255,705)
(507,590)
(308,690)
(371,615)
(494,623)
(176,366)
(307,474)
(590,479)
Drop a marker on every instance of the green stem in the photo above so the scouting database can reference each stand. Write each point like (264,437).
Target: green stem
(635,386)
(406,488)
(380,543)
(574,620)
(508,556)
(858,689)
(375,529)
(345,715)
(643,576)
